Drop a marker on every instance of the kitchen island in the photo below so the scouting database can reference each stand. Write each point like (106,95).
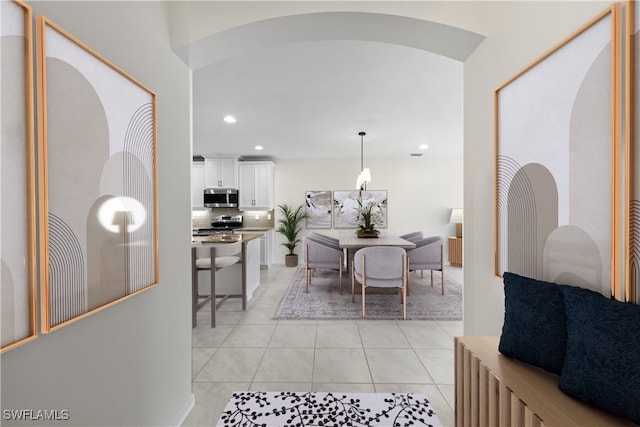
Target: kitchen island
(266,243)
(229,279)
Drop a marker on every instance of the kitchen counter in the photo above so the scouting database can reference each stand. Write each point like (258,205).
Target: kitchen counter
(224,238)
(253,229)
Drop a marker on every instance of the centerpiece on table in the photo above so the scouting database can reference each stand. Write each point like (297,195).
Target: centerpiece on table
(367,217)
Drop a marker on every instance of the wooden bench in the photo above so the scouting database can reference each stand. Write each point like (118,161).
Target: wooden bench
(494,390)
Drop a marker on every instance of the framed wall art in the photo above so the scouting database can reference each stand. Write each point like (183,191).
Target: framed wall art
(98,180)
(557,128)
(632,109)
(17,179)
(346,204)
(318,205)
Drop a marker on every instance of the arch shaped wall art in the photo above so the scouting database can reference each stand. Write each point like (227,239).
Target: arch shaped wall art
(557,130)
(97,180)
(17,179)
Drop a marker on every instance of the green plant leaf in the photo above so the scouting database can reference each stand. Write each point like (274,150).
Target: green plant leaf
(290,224)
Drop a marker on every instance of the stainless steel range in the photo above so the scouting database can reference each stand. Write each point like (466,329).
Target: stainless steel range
(222,224)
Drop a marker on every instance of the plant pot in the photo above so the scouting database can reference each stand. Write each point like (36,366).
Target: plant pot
(366,234)
(291,260)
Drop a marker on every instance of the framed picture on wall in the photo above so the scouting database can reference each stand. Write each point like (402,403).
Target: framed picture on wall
(318,207)
(557,172)
(632,108)
(347,203)
(17,189)
(98,180)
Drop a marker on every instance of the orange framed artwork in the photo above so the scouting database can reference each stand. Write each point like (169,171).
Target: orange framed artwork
(97,180)
(558,173)
(17,191)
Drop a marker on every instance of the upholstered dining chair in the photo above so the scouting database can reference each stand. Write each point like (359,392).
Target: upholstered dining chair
(428,255)
(319,255)
(413,236)
(330,241)
(223,255)
(380,267)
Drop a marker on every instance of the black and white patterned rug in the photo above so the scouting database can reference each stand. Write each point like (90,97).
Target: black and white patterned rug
(271,409)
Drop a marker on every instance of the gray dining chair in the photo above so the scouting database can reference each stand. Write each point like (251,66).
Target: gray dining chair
(413,236)
(320,255)
(428,255)
(380,267)
(331,241)
(223,255)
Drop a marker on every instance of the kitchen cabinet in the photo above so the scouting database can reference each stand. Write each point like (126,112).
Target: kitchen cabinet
(220,172)
(197,184)
(255,184)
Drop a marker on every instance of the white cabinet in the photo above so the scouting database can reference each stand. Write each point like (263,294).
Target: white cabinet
(255,184)
(220,172)
(266,247)
(197,184)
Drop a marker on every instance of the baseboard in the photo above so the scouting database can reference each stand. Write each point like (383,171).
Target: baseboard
(184,411)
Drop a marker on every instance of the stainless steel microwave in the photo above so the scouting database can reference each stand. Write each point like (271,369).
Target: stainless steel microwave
(220,197)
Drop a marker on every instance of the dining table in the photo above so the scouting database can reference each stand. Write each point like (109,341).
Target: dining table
(350,241)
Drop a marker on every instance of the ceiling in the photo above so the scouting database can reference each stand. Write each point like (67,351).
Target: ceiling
(310,99)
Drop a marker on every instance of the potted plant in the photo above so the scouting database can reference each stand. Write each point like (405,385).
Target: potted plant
(366,220)
(290,228)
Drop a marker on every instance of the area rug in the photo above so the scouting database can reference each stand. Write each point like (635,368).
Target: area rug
(324,302)
(327,409)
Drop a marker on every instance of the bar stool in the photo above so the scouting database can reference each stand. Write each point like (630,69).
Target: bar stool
(224,255)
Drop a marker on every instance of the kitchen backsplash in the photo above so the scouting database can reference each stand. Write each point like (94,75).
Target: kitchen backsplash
(202,218)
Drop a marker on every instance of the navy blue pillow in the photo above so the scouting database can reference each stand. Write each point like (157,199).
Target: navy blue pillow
(602,364)
(534,329)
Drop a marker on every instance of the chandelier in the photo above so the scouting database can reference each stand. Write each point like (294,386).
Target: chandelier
(365,174)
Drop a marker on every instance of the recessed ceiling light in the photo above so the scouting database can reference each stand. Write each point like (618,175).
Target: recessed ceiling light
(423,146)
(229,119)
(258,147)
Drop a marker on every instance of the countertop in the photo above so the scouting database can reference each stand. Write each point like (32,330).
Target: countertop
(208,232)
(225,238)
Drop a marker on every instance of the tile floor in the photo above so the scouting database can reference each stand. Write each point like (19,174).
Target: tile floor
(249,351)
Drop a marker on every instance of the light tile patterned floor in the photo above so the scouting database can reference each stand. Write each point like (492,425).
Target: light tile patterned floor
(249,351)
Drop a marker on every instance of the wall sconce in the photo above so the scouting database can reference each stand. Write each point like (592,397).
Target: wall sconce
(456,218)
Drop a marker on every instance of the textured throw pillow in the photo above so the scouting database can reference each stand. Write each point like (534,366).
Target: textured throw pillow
(534,329)
(602,364)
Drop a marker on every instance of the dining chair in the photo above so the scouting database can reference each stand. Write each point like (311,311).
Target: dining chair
(223,255)
(319,255)
(427,255)
(380,267)
(331,241)
(413,236)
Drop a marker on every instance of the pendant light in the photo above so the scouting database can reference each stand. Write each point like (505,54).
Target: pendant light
(365,174)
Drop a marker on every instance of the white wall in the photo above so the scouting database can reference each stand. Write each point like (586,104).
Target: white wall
(129,364)
(421,190)
(520,32)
